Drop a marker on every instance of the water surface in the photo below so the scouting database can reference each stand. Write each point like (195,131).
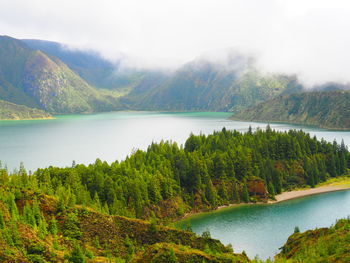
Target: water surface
(262,229)
(112,136)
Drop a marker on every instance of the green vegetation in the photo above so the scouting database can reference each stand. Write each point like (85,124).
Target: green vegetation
(202,86)
(319,245)
(32,78)
(324,109)
(35,227)
(209,171)
(89,213)
(44,75)
(11,111)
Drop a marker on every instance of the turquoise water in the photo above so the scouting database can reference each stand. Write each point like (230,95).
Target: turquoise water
(111,136)
(262,229)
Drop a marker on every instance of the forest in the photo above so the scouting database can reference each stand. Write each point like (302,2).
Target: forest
(168,180)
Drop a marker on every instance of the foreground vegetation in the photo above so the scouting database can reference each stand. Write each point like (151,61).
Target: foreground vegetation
(319,245)
(83,213)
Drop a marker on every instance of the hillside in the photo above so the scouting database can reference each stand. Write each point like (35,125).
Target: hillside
(319,245)
(11,111)
(91,66)
(32,78)
(37,228)
(203,85)
(324,109)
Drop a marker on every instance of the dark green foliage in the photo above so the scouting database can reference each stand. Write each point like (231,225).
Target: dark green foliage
(209,171)
(71,226)
(77,254)
(296,230)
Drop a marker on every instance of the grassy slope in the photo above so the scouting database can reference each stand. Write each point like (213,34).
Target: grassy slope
(323,109)
(11,111)
(319,245)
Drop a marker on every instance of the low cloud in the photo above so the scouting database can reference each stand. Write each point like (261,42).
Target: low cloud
(307,38)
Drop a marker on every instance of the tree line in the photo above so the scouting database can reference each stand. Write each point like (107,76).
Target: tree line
(167,180)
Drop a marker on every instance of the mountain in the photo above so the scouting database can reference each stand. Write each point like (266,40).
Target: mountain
(204,85)
(11,111)
(32,78)
(91,66)
(329,109)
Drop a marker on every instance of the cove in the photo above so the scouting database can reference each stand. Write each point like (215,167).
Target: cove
(112,136)
(263,228)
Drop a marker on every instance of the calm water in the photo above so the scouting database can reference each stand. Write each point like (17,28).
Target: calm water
(111,136)
(262,229)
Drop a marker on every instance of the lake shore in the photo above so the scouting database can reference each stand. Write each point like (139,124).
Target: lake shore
(307,192)
(336,184)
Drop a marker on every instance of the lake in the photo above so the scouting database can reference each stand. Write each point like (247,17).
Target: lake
(112,136)
(262,229)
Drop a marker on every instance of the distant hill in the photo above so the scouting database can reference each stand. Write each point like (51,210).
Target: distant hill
(32,78)
(90,66)
(202,85)
(57,79)
(198,85)
(11,111)
(329,109)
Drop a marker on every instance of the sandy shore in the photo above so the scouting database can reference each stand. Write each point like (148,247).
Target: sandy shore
(313,191)
(283,197)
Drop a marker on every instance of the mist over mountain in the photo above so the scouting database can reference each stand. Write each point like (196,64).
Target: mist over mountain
(33,78)
(52,77)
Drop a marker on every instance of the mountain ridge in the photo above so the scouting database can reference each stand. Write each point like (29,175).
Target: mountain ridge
(330,110)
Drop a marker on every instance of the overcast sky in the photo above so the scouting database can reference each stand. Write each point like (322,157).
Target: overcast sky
(307,37)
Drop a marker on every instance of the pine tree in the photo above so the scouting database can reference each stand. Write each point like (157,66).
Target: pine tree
(77,255)
(245,193)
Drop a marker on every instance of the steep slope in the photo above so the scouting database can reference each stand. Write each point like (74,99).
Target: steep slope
(324,109)
(205,85)
(319,245)
(92,67)
(11,111)
(32,78)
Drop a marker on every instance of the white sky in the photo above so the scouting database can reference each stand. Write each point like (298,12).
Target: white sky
(307,37)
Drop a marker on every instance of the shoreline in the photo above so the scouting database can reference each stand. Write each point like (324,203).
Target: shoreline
(285,196)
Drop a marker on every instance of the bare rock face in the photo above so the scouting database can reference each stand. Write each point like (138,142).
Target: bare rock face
(257,187)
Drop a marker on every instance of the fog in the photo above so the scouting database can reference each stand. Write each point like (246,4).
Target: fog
(308,38)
